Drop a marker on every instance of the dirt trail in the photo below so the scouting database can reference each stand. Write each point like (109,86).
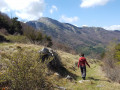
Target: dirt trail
(99,81)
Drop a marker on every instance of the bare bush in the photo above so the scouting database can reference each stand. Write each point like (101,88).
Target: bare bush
(111,69)
(36,36)
(3,31)
(64,47)
(25,72)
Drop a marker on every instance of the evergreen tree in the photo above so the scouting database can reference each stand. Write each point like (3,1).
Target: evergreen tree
(16,26)
(3,23)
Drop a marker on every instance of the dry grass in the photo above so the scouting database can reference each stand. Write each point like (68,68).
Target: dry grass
(95,75)
(22,68)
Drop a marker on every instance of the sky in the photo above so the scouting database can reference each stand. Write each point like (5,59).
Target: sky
(91,13)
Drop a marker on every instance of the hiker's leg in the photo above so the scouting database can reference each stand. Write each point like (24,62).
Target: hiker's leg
(81,68)
(84,72)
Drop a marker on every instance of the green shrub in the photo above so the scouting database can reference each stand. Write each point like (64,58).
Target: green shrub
(111,64)
(15,27)
(24,71)
(117,52)
(4,21)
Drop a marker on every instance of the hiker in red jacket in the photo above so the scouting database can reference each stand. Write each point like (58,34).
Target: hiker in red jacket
(82,64)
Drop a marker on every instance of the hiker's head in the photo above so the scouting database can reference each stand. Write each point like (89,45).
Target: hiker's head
(82,54)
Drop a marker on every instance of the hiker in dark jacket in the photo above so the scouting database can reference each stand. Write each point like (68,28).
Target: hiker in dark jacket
(82,64)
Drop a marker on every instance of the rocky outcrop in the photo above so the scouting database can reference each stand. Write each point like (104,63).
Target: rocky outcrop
(54,62)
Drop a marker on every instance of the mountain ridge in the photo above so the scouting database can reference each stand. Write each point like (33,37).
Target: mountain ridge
(78,38)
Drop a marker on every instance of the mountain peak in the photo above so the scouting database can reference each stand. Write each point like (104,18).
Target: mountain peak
(76,37)
(44,18)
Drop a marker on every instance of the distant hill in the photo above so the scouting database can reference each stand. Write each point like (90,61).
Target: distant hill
(83,39)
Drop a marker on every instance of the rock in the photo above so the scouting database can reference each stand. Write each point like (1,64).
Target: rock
(53,61)
(49,73)
(56,74)
(47,51)
(82,81)
(61,88)
(52,58)
(44,51)
(69,77)
(100,86)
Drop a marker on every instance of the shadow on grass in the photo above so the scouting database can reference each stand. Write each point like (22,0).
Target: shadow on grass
(57,66)
(96,79)
(63,71)
(3,39)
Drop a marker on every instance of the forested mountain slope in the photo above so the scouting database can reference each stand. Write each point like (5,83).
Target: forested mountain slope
(86,39)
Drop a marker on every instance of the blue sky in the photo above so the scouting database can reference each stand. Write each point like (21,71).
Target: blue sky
(97,13)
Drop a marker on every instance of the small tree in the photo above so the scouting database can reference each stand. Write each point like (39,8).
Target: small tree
(3,22)
(16,26)
(110,66)
(47,41)
(117,52)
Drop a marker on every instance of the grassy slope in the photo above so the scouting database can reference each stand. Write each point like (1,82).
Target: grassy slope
(97,79)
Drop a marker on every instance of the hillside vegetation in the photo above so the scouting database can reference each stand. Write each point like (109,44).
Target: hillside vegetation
(112,62)
(12,30)
(20,69)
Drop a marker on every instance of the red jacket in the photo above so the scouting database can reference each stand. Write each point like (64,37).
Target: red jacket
(82,62)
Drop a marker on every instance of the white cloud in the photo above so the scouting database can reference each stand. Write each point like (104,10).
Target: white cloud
(53,8)
(84,25)
(68,19)
(3,6)
(25,9)
(92,3)
(113,27)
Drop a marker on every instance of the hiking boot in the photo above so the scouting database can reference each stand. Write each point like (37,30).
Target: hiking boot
(83,78)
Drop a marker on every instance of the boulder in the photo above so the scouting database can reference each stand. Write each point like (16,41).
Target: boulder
(69,77)
(53,61)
